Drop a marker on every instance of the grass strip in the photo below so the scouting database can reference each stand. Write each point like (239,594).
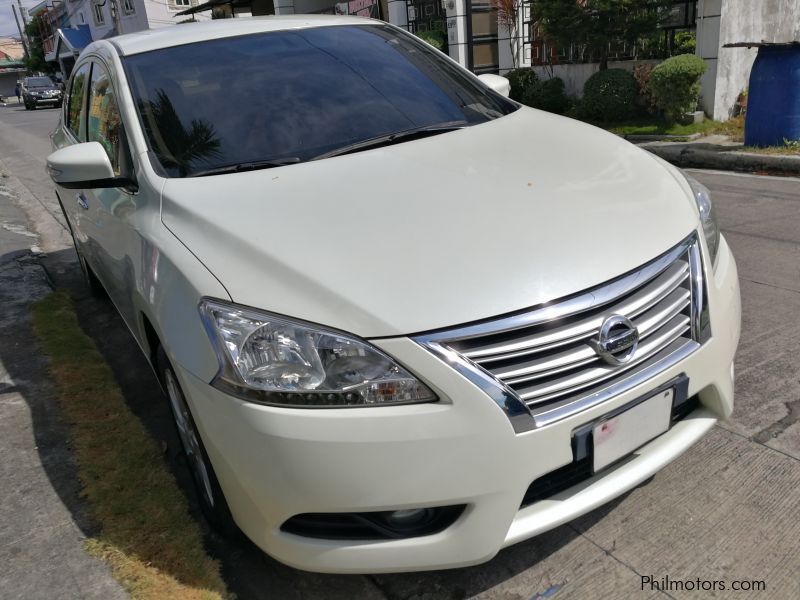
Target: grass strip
(153,546)
(733,127)
(784,150)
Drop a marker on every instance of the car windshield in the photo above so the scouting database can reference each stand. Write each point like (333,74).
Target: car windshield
(40,82)
(284,97)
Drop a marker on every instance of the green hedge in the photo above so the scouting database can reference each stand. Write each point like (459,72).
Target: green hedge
(545,94)
(548,95)
(521,80)
(675,84)
(609,95)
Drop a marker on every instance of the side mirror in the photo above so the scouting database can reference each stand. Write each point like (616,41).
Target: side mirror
(84,166)
(499,84)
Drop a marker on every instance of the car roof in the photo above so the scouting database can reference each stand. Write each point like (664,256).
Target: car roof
(188,33)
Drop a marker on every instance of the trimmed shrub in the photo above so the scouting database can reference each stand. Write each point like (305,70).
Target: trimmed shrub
(521,80)
(547,95)
(435,38)
(609,95)
(675,83)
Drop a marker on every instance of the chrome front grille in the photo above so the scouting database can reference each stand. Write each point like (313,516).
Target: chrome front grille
(544,361)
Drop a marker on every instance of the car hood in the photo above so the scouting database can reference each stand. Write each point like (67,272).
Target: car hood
(436,232)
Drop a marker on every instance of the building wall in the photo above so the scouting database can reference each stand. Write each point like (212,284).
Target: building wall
(739,21)
(161,13)
(709,14)
(146,14)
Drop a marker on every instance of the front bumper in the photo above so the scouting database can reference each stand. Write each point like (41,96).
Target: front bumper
(274,463)
(45,101)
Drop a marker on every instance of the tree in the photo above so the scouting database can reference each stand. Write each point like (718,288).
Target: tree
(35,61)
(596,23)
(508,18)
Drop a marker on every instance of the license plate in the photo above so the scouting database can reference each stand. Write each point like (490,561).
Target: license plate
(620,435)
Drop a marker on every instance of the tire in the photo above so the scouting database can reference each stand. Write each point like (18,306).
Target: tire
(27,106)
(211,498)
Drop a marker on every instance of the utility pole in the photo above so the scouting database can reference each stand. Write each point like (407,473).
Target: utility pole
(21,34)
(23,12)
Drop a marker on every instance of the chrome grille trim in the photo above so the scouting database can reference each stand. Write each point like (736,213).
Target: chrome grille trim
(632,306)
(666,359)
(541,365)
(534,395)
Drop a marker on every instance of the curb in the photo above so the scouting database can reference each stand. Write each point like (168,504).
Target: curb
(654,137)
(724,158)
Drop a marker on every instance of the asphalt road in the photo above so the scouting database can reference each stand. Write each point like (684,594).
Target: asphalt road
(727,510)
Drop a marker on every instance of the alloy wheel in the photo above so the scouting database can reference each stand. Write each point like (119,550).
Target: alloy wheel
(190,438)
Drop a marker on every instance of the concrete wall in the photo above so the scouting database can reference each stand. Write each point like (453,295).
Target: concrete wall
(738,21)
(575,76)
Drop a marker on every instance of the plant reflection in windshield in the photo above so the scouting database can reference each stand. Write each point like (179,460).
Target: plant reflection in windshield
(178,147)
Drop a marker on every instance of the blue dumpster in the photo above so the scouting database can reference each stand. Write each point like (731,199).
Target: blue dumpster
(773,101)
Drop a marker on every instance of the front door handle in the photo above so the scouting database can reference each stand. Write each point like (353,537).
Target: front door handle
(82,202)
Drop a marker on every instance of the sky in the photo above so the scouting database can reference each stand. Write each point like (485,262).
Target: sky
(7,25)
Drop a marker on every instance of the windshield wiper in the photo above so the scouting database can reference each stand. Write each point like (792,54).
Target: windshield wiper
(248,166)
(393,138)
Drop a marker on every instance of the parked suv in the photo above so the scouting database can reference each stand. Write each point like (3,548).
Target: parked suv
(402,321)
(40,91)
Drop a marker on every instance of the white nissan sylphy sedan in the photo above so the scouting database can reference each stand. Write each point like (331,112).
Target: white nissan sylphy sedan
(403,322)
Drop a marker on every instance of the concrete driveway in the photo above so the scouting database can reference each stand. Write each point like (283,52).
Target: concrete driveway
(726,511)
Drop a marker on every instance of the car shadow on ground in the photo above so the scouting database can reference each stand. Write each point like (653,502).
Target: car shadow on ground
(247,571)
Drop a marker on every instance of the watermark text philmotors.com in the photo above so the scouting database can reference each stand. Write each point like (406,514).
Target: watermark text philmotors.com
(669,584)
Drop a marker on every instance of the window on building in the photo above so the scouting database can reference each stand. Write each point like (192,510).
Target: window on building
(99,16)
(103,121)
(128,7)
(183,3)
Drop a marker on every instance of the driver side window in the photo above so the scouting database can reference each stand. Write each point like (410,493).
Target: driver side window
(76,107)
(103,121)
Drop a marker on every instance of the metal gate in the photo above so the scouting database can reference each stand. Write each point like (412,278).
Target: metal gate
(426,15)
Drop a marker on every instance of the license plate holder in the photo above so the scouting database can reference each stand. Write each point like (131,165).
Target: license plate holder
(620,434)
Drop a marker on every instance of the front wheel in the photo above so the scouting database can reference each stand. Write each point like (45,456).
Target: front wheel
(212,500)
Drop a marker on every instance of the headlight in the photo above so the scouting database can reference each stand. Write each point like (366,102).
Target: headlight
(280,361)
(708,218)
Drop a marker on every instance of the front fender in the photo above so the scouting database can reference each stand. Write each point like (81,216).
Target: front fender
(170,283)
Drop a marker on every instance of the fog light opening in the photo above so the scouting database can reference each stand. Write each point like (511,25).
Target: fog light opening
(390,524)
